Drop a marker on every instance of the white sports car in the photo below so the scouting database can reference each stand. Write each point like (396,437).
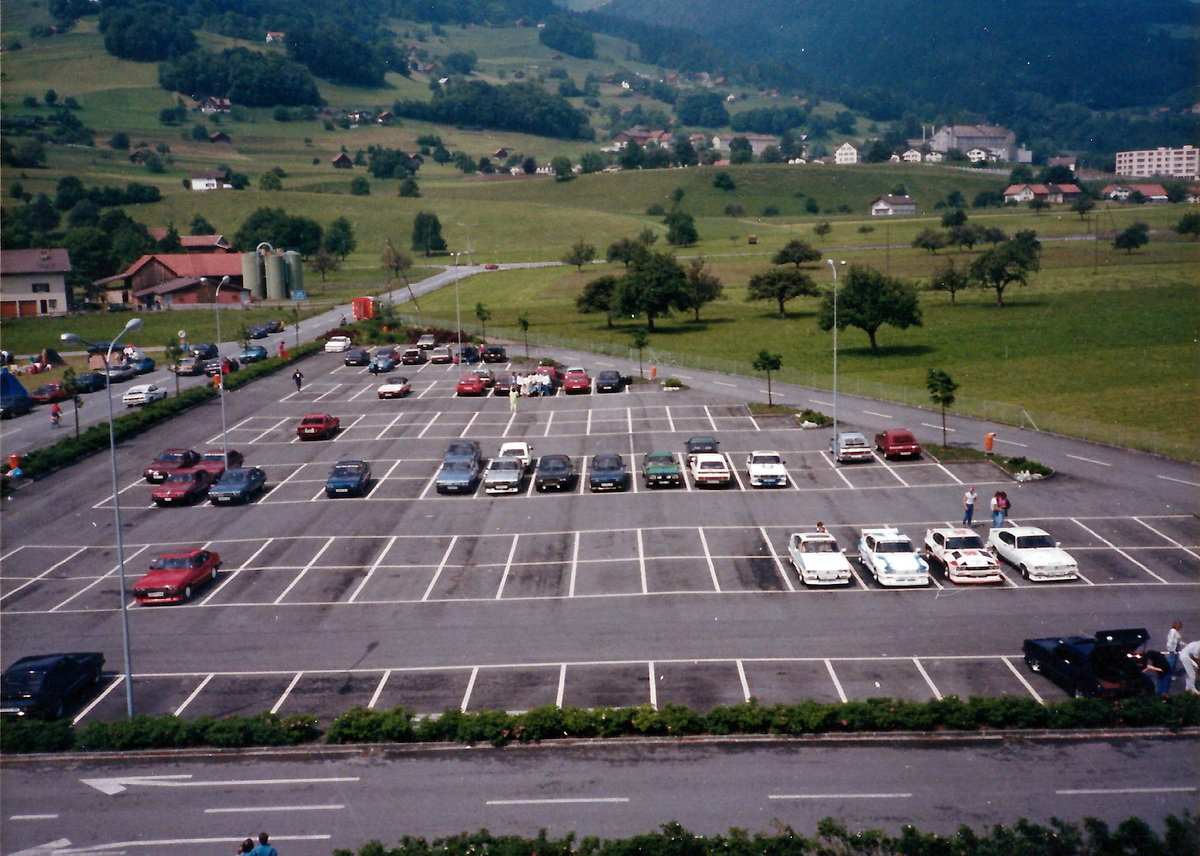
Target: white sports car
(143,393)
(1034,553)
(337,344)
(766,469)
(818,559)
(963,555)
(397,387)
(891,558)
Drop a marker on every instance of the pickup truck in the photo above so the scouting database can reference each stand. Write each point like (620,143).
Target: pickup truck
(709,470)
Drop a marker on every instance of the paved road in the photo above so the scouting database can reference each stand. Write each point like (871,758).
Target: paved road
(311,805)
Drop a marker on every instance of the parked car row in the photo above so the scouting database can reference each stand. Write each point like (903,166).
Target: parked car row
(185,477)
(849,446)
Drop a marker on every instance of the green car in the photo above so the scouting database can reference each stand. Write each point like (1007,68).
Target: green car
(660,469)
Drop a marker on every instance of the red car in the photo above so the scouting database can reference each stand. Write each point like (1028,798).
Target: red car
(318,426)
(471,384)
(214,461)
(897,443)
(184,487)
(173,576)
(577,380)
(170,461)
(48,393)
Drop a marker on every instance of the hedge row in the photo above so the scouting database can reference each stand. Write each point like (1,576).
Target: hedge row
(544,723)
(1181,837)
(70,448)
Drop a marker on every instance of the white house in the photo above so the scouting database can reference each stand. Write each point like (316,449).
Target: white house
(847,153)
(978,155)
(934,157)
(34,282)
(891,206)
(911,156)
(217,179)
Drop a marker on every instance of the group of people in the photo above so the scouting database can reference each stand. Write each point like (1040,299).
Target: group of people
(529,384)
(262,848)
(1178,654)
(1000,507)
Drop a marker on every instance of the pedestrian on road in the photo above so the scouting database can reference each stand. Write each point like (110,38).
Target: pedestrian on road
(264,848)
(298,377)
(1190,655)
(513,394)
(1174,645)
(969,506)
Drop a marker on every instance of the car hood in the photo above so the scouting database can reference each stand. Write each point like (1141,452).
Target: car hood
(970,558)
(1040,557)
(343,480)
(899,562)
(162,578)
(824,561)
(768,469)
(175,488)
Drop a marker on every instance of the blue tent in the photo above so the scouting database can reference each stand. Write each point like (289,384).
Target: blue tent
(10,387)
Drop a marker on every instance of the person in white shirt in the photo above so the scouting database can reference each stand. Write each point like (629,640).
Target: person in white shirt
(1190,656)
(1174,644)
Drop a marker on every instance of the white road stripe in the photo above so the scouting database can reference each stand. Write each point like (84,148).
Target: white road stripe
(1090,460)
(440,567)
(836,683)
(199,689)
(741,670)
(560,801)
(263,808)
(291,686)
(878,796)
(470,687)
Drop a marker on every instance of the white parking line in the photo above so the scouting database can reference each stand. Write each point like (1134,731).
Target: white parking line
(949,430)
(342,431)
(374,567)
(42,575)
(101,579)
(221,583)
(426,390)
(891,469)
(192,695)
(470,687)
(1089,460)
(1021,678)
(574,566)
(437,414)
(712,569)
(278,704)
(1098,791)
(562,685)
(924,674)
(837,469)
(512,549)
(389,426)
(880,415)
(947,472)
(387,673)
(642,561)
(268,431)
(653,686)
(587,428)
(878,796)
(1013,443)
(549,422)
(470,422)
(778,564)
(711,421)
(440,567)
(741,670)
(336,388)
(1178,481)
(1167,537)
(670,421)
(1112,546)
(304,571)
(837,685)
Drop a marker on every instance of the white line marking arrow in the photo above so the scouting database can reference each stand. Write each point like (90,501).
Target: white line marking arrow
(118,784)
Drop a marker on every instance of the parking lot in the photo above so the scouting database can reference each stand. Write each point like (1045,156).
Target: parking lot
(406,596)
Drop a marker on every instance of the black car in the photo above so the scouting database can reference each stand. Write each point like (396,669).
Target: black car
(15,405)
(221,365)
(495,354)
(701,445)
(608,472)
(90,381)
(413,356)
(205,351)
(467,355)
(43,685)
(348,478)
(609,381)
(275,326)
(1111,664)
(237,485)
(554,472)
(259,331)
(356,357)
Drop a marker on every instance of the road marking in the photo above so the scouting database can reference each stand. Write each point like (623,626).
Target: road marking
(507,566)
(549,422)
(670,420)
(741,670)
(880,415)
(879,796)
(1167,537)
(939,428)
(374,567)
(42,574)
(341,432)
(119,784)
(587,428)
(1036,696)
(820,402)
(32,816)
(388,427)
(379,689)
(1112,546)
(762,530)
(708,413)
(560,801)
(199,688)
(101,579)
(712,569)
(642,561)
(1089,460)
(236,571)
(891,470)
(305,569)
(440,567)
(470,686)
(287,692)
(836,683)
(1094,791)
(62,847)
(1013,443)
(574,566)
(1180,481)
(723,383)
(429,424)
(653,686)
(924,674)
(262,808)
(471,422)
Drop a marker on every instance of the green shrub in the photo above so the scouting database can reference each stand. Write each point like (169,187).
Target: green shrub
(814,416)
(21,736)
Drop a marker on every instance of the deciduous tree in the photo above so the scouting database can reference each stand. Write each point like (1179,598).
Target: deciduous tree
(427,234)
(941,392)
(653,285)
(780,285)
(929,239)
(703,286)
(768,362)
(1007,263)
(1135,236)
(599,295)
(796,252)
(949,278)
(867,299)
(579,254)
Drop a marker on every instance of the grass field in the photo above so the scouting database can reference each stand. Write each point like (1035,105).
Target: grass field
(1098,335)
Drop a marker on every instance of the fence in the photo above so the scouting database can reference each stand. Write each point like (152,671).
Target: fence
(618,346)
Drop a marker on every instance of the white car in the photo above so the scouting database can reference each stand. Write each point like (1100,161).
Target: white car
(504,475)
(1034,553)
(397,387)
(521,451)
(891,558)
(850,446)
(143,393)
(818,559)
(337,344)
(766,469)
(963,556)
(709,470)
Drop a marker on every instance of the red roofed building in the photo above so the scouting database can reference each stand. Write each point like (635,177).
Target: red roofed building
(1148,192)
(162,280)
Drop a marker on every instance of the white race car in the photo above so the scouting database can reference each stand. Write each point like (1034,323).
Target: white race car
(337,344)
(1034,553)
(891,558)
(963,555)
(397,387)
(818,559)
(766,469)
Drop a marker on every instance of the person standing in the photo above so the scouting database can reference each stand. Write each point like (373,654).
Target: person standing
(264,848)
(513,394)
(1174,645)
(1005,505)
(997,514)
(298,377)
(969,506)
(1190,655)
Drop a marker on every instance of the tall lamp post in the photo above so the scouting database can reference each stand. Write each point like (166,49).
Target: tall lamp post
(834,268)
(220,366)
(132,326)
(457,310)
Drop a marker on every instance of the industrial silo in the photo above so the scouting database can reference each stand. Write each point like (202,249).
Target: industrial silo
(295,271)
(276,276)
(252,277)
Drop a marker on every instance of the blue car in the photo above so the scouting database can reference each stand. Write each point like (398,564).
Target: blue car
(253,354)
(239,484)
(381,364)
(348,478)
(144,365)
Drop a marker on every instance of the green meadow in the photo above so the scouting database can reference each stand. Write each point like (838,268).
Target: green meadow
(1100,343)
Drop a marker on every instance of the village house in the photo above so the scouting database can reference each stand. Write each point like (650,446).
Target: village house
(934,157)
(994,140)
(216,179)
(1148,192)
(219,137)
(210,105)
(846,153)
(1055,194)
(34,282)
(196,243)
(342,161)
(892,206)
(274,37)
(911,156)
(161,280)
(641,135)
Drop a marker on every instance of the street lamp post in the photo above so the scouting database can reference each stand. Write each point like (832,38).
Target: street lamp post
(834,268)
(220,366)
(132,326)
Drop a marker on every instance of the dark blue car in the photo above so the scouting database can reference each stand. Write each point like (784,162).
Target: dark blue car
(45,684)
(239,484)
(348,478)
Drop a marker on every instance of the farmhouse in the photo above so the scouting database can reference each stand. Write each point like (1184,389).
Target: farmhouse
(216,179)
(161,280)
(891,206)
(195,243)
(34,282)
(342,161)
(1147,192)
(847,153)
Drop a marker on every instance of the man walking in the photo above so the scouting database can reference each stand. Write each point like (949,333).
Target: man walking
(969,506)
(298,377)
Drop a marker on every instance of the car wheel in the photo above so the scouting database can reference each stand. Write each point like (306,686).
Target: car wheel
(1034,665)
(213,575)
(1024,571)
(187,593)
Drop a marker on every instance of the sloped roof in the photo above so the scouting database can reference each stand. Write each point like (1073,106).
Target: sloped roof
(55,260)
(186,264)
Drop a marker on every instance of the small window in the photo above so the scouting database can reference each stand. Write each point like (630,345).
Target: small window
(40,288)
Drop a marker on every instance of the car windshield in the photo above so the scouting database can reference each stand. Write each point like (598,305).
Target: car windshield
(171,563)
(552,464)
(169,458)
(894,547)
(660,459)
(22,683)
(233,478)
(903,438)
(966,542)
(711,465)
(1027,542)
(819,547)
(181,477)
(765,459)
(344,470)
(312,420)
(854,441)
(456,466)
(458,450)
(506,465)
(607,463)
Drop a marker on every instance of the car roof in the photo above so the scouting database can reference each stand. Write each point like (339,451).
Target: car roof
(814,536)
(886,533)
(956,531)
(1023,530)
(766,452)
